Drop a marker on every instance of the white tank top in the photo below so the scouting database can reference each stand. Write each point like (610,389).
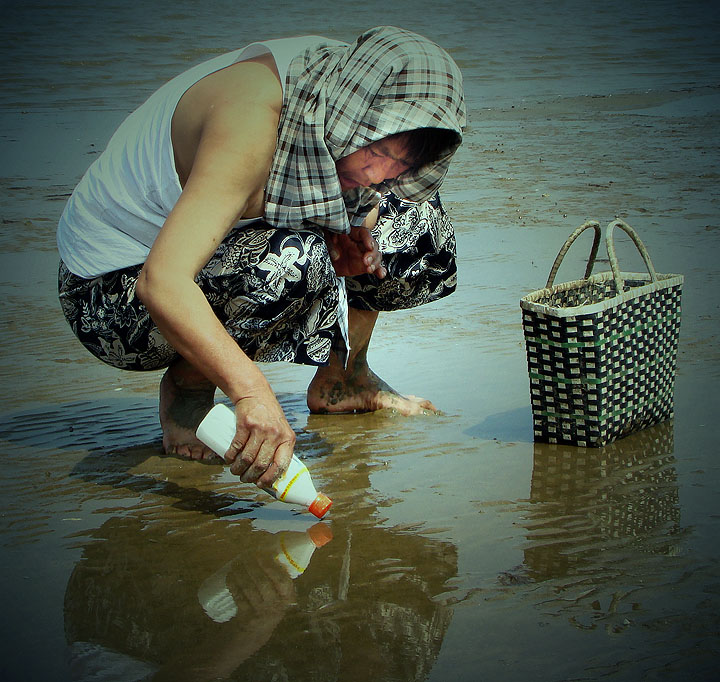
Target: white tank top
(116,211)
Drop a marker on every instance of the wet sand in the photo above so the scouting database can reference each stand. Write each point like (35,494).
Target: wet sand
(460,549)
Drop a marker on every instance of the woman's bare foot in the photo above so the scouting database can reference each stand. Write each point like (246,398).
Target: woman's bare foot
(186,396)
(336,389)
(337,392)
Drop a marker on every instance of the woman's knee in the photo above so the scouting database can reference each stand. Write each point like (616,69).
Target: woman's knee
(110,322)
(278,304)
(282,265)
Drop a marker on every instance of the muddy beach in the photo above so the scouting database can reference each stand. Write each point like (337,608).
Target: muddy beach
(456,547)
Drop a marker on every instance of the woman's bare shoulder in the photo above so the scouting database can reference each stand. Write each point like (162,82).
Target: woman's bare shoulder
(253,81)
(239,95)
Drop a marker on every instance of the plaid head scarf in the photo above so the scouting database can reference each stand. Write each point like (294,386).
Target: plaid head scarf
(339,99)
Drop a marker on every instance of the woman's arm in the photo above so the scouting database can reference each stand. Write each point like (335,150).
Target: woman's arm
(238,118)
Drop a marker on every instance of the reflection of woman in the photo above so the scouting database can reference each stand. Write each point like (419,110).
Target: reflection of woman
(367,602)
(205,235)
(133,601)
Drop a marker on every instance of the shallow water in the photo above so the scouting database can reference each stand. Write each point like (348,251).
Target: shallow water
(460,549)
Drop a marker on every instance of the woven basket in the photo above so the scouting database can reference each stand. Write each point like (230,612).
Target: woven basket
(602,350)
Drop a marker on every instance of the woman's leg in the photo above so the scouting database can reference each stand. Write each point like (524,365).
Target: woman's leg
(111,322)
(186,396)
(418,246)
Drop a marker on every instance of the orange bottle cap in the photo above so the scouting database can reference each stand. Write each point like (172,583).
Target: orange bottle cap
(320,506)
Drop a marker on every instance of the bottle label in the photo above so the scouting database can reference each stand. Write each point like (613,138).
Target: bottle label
(290,484)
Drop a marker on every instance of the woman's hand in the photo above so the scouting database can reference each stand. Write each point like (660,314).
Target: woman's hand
(356,253)
(264,441)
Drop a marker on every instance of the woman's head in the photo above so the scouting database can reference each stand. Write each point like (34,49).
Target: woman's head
(392,81)
(389,158)
(343,104)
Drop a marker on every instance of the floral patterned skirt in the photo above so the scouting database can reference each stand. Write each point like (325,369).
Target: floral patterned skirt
(275,291)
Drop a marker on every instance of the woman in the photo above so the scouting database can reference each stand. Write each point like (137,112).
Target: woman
(209,233)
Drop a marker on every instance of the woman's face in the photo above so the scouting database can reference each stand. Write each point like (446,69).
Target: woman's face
(371,165)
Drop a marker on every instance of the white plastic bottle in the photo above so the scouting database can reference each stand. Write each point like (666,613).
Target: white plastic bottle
(295,487)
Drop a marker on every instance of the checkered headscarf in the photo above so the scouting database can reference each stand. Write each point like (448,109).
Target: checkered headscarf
(339,99)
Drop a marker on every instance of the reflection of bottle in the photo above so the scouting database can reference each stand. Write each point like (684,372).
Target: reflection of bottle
(296,487)
(296,549)
(295,552)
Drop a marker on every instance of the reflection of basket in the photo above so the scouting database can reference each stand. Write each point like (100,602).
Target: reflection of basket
(587,503)
(602,350)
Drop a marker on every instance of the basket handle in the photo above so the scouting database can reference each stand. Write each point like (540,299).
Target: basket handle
(593,252)
(609,242)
